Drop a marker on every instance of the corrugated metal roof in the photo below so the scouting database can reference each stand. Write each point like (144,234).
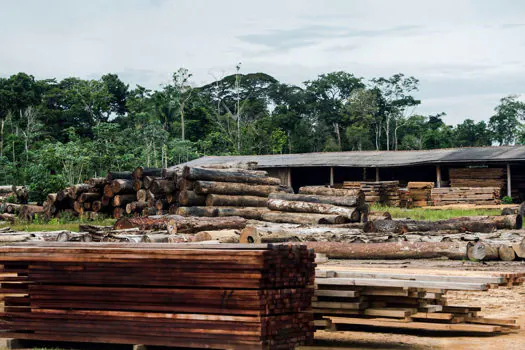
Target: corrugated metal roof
(375,158)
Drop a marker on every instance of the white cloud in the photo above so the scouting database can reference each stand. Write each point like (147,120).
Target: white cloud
(466,53)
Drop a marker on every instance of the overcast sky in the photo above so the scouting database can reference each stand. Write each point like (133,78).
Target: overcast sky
(466,54)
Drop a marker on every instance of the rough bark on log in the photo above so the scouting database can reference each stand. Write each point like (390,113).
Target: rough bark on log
(156,238)
(161,204)
(303,218)
(193,224)
(122,186)
(328,191)
(114,175)
(223,236)
(63,195)
(162,186)
(52,198)
(197,211)
(304,207)
(349,201)
(170,174)
(390,250)
(388,226)
(98,182)
(479,251)
(89,197)
(142,196)
(77,190)
(218,200)
(253,213)
(96,206)
(502,222)
(519,249)
(185,185)
(106,201)
(12,208)
(233,188)
(118,213)
(140,172)
(506,253)
(67,236)
(190,198)
(123,199)
(136,207)
(28,212)
(239,175)
(400,226)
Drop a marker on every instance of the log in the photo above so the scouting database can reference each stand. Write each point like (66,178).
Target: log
(63,195)
(141,195)
(123,199)
(122,186)
(8,217)
(179,224)
(136,207)
(106,200)
(185,185)
(519,249)
(156,238)
(123,238)
(98,182)
(114,175)
(162,186)
(238,175)
(303,218)
(140,172)
(148,181)
(502,222)
(9,188)
(137,185)
(452,225)
(218,200)
(96,206)
(170,174)
(89,197)
(51,198)
(12,208)
(506,253)
(252,235)
(190,198)
(108,191)
(118,212)
(328,191)
(253,213)
(77,190)
(197,211)
(29,212)
(161,204)
(304,207)
(231,188)
(390,250)
(481,251)
(87,205)
(388,226)
(68,236)
(223,236)
(347,201)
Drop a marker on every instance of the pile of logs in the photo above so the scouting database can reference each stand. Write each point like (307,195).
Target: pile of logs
(213,192)
(477,177)
(19,193)
(420,193)
(317,205)
(466,195)
(183,295)
(405,300)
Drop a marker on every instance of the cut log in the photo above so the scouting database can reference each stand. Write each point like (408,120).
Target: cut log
(387,226)
(170,174)
(106,200)
(148,181)
(122,186)
(123,199)
(452,225)
(390,250)
(98,182)
(502,222)
(137,185)
(63,195)
(190,198)
(156,238)
(506,253)
(348,201)
(51,198)
(108,191)
(161,204)
(87,205)
(218,200)
(179,224)
(12,208)
(118,213)
(481,251)
(89,197)
(519,249)
(8,217)
(141,195)
(114,175)
(162,186)
(96,206)
(328,191)
(77,190)
(29,212)
(304,207)
(239,175)
(303,218)
(253,213)
(140,172)
(68,236)
(197,211)
(136,207)
(223,236)
(232,188)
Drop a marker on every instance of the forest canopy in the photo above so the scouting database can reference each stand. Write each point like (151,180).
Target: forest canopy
(54,133)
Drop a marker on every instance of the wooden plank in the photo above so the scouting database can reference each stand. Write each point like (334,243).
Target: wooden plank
(401,283)
(390,312)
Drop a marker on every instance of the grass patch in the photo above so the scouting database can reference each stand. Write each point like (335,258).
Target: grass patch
(433,214)
(55,225)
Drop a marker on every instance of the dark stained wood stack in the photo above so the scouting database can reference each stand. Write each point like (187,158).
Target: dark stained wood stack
(226,192)
(382,192)
(477,177)
(222,296)
(405,300)
(466,195)
(421,193)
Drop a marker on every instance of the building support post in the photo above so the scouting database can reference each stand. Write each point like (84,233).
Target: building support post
(509,185)
(289,177)
(438,176)
(377,174)
(331,176)
(364,174)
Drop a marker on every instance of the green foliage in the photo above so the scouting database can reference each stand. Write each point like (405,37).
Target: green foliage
(434,214)
(507,200)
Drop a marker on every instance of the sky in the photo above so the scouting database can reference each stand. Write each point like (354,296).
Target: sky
(467,54)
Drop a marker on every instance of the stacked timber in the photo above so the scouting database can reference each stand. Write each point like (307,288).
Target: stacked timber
(226,192)
(404,300)
(477,177)
(196,296)
(317,205)
(381,192)
(466,195)
(420,193)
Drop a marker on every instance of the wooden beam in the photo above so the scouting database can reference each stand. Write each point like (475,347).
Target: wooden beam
(438,176)
(509,185)
(331,176)
(377,175)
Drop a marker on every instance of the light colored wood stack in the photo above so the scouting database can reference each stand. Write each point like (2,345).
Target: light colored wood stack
(465,195)
(404,300)
(477,177)
(382,192)
(421,193)
(405,200)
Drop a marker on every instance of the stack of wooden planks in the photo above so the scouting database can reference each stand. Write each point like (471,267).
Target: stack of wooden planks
(477,177)
(421,193)
(466,195)
(222,297)
(405,300)
(226,192)
(380,192)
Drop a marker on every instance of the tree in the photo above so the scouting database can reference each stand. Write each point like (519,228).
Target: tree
(361,107)
(180,93)
(470,134)
(505,124)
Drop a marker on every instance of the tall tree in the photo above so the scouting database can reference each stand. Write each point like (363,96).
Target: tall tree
(505,123)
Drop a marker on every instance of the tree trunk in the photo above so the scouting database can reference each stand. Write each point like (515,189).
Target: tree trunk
(302,218)
(108,191)
(147,181)
(67,236)
(238,175)
(305,207)
(118,213)
(156,238)
(235,201)
(482,251)
(501,222)
(161,204)
(390,250)
(350,201)
(452,225)
(96,206)
(89,197)
(180,224)
(253,213)
(387,226)
(122,186)
(12,208)
(140,172)
(328,191)
(79,189)
(519,249)
(122,199)
(98,182)
(223,236)
(137,185)
(506,253)
(28,212)
(162,186)
(197,211)
(190,198)
(232,188)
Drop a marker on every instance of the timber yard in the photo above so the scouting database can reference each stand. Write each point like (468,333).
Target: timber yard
(340,250)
